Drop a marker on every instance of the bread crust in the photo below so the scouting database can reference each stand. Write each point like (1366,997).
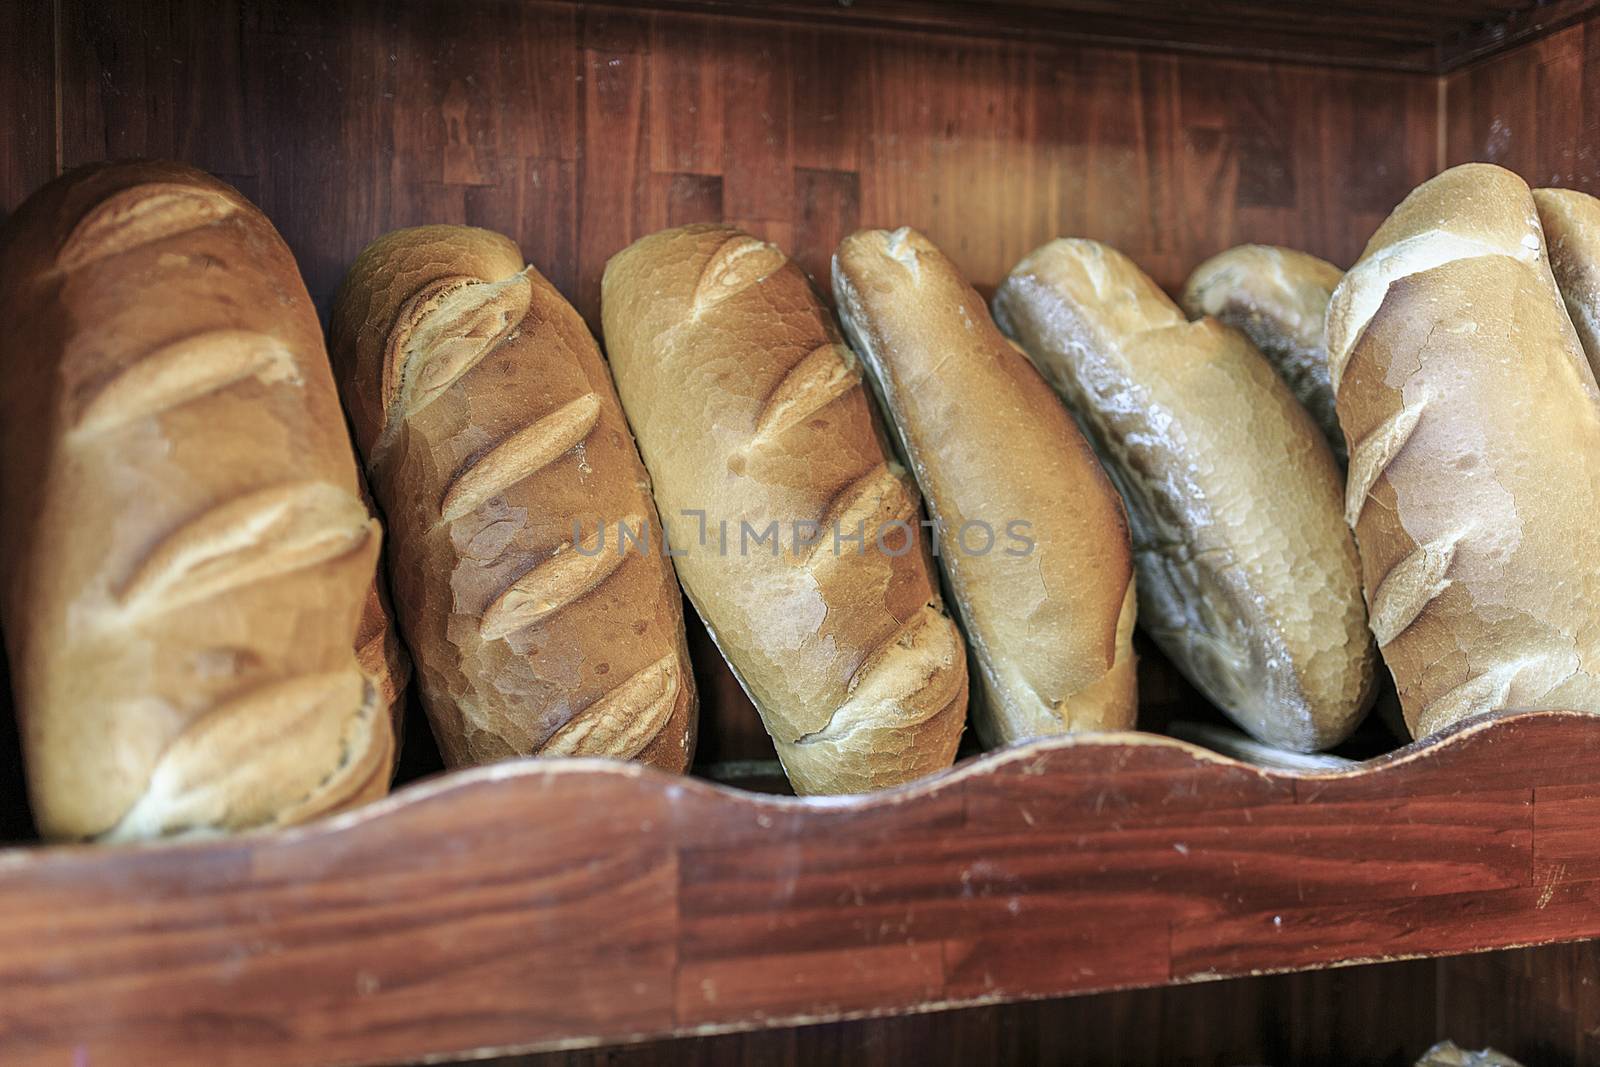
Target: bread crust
(1247,576)
(749,408)
(1571,224)
(186,556)
(1049,621)
(1277,297)
(1474,430)
(497,449)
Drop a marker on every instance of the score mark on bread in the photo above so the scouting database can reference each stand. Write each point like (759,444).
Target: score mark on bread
(138,216)
(248,539)
(567,575)
(186,370)
(520,455)
(907,679)
(1410,586)
(623,722)
(880,496)
(740,262)
(1483,692)
(819,379)
(443,331)
(1367,284)
(1372,456)
(229,758)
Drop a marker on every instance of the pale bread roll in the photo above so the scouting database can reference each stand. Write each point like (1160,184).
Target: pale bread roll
(1474,430)
(1277,297)
(1047,606)
(1247,576)
(1571,223)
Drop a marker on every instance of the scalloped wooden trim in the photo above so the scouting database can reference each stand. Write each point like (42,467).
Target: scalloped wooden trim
(545,904)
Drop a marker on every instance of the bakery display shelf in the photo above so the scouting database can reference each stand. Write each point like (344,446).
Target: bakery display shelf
(554,904)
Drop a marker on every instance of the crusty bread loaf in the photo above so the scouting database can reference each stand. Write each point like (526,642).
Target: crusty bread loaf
(378,647)
(1474,431)
(1247,576)
(1032,538)
(500,457)
(750,410)
(1278,298)
(186,556)
(383,660)
(1571,223)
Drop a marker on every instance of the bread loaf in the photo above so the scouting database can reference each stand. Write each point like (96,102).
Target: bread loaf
(1474,431)
(1032,538)
(1571,223)
(384,661)
(1278,298)
(184,554)
(767,461)
(1247,576)
(378,646)
(499,454)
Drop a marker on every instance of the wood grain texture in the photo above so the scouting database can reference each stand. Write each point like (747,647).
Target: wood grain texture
(1414,35)
(27,98)
(1364,1015)
(1514,26)
(1540,1005)
(1534,110)
(600,124)
(444,920)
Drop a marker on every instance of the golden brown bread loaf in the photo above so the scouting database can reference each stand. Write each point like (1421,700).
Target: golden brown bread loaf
(1247,576)
(1474,430)
(186,556)
(1571,223)
(499,454)
(378,647)
(1278,298)
(750,409)
(1048,605)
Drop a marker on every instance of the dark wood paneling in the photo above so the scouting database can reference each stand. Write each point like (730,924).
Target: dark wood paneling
(27,98)
(1535,110)
(1415,35)
(1519,23)
(578,129)
(1368,1015)
(539,904)
(1539,1005)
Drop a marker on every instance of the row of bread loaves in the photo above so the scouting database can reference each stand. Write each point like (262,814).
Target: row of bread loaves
(1458,366)
(207,648)
(197,635)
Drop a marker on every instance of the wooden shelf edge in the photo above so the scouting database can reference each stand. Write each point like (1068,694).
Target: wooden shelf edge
(1287,44)
(1517,29)
(553,904)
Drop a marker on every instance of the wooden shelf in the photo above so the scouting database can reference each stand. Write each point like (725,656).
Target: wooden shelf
(539,905)
(553,904)
(1422,36)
